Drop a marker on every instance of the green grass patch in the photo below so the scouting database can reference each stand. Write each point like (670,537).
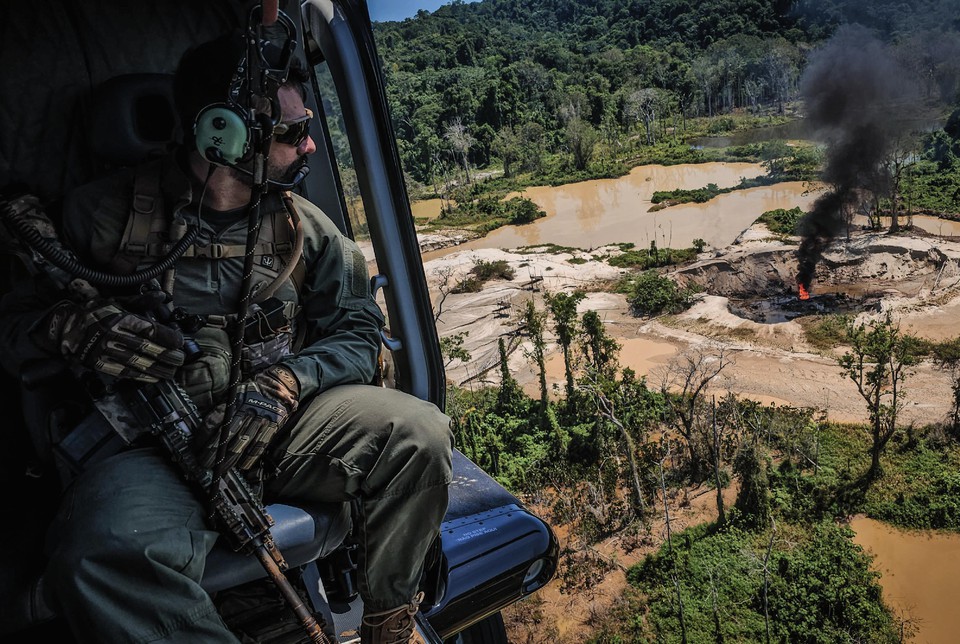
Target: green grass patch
(825,332)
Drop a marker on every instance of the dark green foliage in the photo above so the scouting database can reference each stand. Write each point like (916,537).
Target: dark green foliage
(821,588)
(753,499)
(531,80)
(650,293)
(878,362)
(933,188)
(497,269)
(698,195)
(652,257)
(563,308)
(782,221)
(921,486)
(481,273)
(521,210)
(451,347)
(703,561)
(483,208)
(665,198)
(824,591)
(601,350)
(933,501)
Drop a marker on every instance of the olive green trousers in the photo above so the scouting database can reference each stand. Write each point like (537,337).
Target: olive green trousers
(128,547)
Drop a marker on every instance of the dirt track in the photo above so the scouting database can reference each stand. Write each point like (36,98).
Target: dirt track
(914,278)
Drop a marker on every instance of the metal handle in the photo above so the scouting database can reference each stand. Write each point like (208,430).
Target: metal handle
(377,282)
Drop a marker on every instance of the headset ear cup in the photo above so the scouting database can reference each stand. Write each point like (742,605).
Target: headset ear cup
(221,135)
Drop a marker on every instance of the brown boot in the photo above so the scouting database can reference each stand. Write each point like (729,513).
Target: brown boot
(394,626)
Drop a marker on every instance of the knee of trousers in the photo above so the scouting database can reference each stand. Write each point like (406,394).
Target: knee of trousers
(427,431)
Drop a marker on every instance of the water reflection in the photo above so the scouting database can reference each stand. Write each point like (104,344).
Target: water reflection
(590,214)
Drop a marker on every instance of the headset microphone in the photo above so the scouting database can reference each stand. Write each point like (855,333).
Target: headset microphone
(297,178)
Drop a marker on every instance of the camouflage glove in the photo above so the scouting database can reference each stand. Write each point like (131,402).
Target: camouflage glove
(101,336)
(263,405)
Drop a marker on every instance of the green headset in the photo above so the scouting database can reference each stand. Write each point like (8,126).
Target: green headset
(222,134)
(226,133)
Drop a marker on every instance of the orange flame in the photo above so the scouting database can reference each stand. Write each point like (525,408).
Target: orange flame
(804,294)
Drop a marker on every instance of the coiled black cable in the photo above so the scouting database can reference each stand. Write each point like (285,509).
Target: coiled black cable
(56,255)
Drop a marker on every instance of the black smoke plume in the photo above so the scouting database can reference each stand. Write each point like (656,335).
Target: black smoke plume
(858,99)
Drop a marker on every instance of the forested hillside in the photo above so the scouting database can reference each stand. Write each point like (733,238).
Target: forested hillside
(513,81)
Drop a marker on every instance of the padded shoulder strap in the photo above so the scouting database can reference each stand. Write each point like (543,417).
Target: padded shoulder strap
(146,219)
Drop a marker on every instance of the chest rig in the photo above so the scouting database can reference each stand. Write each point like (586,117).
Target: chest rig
(151,233)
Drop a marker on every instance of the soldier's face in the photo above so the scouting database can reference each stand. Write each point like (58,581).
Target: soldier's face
(287,158)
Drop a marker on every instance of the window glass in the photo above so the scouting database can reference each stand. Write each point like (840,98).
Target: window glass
(340,144)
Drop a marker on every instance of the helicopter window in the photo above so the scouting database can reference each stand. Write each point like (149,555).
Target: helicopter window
(332,113)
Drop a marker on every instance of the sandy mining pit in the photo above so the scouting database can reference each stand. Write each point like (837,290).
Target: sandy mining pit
(748,308)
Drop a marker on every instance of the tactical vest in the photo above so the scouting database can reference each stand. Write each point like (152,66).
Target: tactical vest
(151,233)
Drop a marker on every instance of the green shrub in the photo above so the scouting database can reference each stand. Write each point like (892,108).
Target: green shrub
(521,210)
(468,285)
(825,591)
(651,293)
(782,221)
(497,269)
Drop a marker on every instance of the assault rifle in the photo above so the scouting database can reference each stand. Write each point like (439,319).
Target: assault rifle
(166,409)
(162,409)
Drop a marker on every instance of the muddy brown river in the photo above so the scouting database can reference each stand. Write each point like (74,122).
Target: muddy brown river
(920,576)
(590,214)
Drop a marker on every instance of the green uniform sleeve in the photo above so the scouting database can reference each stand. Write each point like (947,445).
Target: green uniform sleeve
(343,321)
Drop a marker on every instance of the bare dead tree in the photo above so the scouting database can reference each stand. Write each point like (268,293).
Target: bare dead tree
(460,140)
(606,409)
(684,382)
(445,285)
(721,518)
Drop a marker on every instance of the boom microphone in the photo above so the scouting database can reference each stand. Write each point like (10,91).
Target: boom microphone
(297,178)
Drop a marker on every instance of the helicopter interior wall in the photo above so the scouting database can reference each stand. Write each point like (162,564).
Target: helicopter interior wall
(55,52)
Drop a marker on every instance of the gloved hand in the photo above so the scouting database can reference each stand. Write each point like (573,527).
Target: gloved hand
(263,405)
(104,337)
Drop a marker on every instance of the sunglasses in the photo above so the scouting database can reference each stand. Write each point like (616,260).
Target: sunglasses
(293,132)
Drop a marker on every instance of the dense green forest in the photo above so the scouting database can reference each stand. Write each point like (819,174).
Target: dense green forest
(517,82)
(550,91)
